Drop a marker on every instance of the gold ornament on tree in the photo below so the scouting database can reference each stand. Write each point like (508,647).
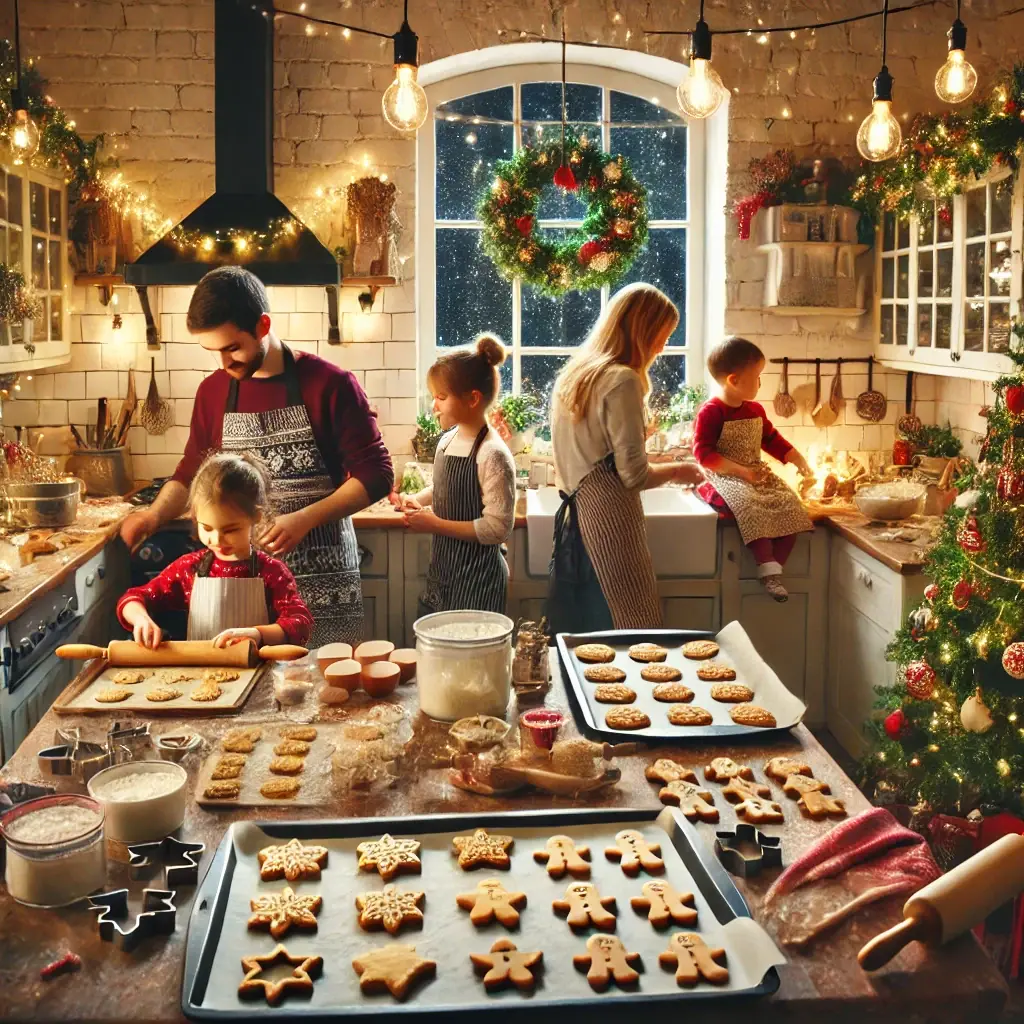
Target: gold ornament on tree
(975,715)
(371,206)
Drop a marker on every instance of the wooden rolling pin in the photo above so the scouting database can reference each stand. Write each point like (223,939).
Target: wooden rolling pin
(954,903)
(183,652)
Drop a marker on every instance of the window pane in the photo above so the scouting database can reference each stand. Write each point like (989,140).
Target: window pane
(943,325)
(1002,201)
(1000,265)
(925,272)
(888,232)
(56,319)
(466,152)
(975,212)
(976,269)
(888,277)
(41,320)
(658,159)
(926,230)
(974,326)
(944,272)
(55,211)
(632,109)
(55,265)
(886,326)
(944,224)
(14,199)
(539,373)
(924,326)
(902,276)
(903,234)
(663,264)
(470,296)
(39,262)
(998,327)
(37,205)
(558,323)
(668,375)
(555,203)
(15,252)
(3,196)
(901,325)
(542,101)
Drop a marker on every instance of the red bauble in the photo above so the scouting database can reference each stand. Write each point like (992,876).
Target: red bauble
(564,178)
(931,592)
(588,250)
(593,183)
(1014,396)
(920,677)
(969,537)
(895,724)
(962,591)
(524,225)
(1013,660)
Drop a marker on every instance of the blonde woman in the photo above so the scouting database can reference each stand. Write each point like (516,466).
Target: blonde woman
(602,575)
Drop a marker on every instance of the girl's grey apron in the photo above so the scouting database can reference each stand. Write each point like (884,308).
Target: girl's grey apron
(325,563)
(225,602)
(768,509)
(602,576)
(462,574)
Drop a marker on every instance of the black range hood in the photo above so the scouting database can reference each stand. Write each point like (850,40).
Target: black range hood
(244,153)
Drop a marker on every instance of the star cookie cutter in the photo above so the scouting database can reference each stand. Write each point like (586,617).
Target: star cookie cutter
(180,861)
(733,849)
(158,916)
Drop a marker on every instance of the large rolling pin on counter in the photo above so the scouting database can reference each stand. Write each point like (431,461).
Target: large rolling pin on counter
(955,903)
(182,652)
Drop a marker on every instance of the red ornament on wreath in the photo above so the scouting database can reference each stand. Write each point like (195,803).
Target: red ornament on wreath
(564,178)
(920,678)
(961,597)
(895,725)
(969,537)
(588,250)
(1013,660)
(931,592)
(524,225)
(1014,397)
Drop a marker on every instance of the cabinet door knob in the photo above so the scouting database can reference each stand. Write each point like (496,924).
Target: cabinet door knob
(731,556)
(865,577)
(90,580)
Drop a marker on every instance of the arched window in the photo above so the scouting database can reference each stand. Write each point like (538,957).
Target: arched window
(485,107)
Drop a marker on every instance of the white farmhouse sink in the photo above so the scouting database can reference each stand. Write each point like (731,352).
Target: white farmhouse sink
(682,531)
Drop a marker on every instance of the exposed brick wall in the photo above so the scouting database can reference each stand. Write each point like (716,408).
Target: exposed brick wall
(143,72)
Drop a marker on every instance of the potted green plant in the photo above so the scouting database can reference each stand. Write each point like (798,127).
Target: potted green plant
(520,414)
(680,409)
(28,308)
(428,433)
(933,447)
(18,305)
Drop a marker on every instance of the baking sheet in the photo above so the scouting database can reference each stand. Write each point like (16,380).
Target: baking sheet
(232,696)
(219,937)
(736,650)
(314,779)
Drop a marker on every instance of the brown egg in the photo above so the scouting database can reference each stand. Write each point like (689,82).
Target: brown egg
(380,678)
(405,659)
(344,674)
(327,655)
(373,650)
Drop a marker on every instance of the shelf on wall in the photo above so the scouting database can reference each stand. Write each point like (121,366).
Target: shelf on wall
(368,281)
(838,311)
(100,279)
(858,247)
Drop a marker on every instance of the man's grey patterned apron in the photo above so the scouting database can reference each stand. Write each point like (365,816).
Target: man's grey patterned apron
(325,563)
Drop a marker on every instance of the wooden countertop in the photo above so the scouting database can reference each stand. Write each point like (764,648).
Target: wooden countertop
(955,983)
(902,556)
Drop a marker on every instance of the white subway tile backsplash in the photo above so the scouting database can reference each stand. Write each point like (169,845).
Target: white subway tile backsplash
(116,354)
(401,298)
(282,299)
(306,326)
(376,385)
(363,327)
(403,327)
(53,413)
(81,412)
(100,384)
(69,385)
(403,410)
(309,300)
(162,465)
(402,383)
(400,355)
(369,356)
(175,300)
(20,413)
(183,383)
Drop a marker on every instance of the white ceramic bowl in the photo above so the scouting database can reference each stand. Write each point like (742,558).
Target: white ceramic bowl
(141,820)
(891,501)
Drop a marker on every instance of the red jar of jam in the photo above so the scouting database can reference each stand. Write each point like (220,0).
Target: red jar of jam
(901,452)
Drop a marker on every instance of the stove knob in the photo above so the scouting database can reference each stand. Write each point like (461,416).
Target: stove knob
(63,615)
(38,636)
(25,647)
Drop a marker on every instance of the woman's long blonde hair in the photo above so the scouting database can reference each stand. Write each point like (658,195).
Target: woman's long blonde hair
(634,320)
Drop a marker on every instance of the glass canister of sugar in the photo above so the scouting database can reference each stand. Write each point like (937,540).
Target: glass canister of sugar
(55,850)
(463,664)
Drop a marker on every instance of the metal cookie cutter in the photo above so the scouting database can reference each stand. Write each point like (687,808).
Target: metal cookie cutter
(128,742)
(180,861)
(73,757)
(733,850)
(157,917)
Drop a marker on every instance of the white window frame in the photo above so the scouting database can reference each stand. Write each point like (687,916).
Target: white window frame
(650,78)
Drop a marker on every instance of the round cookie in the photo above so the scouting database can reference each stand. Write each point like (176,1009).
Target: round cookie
(648,652)
(672,693)
(596,653)
(614,693)
(751,714)
(604,674)
(220,675)
(661,674)
(731,693)
(129,676)
(206,692)
(626,718)
(163,693)
(113,695)
(698,650)
(716,672)
(689,714)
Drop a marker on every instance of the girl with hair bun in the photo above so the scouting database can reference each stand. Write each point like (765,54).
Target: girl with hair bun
(470,507)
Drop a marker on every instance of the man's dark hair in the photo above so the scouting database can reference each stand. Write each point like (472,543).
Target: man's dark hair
(730,356)
(227,295)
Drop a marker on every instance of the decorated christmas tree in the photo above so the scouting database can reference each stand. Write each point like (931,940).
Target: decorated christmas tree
(950,733)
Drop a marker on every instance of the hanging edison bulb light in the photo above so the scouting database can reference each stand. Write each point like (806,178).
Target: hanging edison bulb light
(22,131)
(956,79)
(879,136)
(701,92)
(405,102)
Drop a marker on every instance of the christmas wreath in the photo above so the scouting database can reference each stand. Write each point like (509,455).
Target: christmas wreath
(598,253)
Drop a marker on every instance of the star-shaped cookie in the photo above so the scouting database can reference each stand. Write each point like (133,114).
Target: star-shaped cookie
(389,856)
(299,982)
(396,968)
(505,965)
(281,910)
(390,909)
(482,848)
(292,860)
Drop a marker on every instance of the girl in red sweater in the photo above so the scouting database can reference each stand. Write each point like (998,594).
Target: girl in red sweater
(232,592)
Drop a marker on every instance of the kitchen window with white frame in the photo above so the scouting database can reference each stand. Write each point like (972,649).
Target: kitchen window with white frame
(487,116)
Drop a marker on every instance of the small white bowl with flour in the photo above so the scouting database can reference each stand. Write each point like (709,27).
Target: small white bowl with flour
(143,801)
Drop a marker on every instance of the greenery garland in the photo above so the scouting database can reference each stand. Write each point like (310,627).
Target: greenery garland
(598,253)
(942,153)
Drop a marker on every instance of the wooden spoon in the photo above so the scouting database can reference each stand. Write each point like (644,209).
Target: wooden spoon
(822,415)
(784,403)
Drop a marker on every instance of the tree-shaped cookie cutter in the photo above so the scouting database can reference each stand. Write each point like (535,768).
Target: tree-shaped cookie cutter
(732,849)
(180,861)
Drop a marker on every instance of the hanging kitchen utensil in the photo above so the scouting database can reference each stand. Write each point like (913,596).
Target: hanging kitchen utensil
(128,406)
(784,403)
(157,414)
(871,404)
(835,396)
(822,415)
(908,424)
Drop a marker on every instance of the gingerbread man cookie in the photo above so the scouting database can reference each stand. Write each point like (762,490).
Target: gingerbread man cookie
(584,905)
(796,785)
(759,810)
(606,959)
(562,855)
(634,852)
(492,900)
(740,789)
(780,768)
(667,770)
(693,801)
(722,769)
(693,958)
(505,965)
(664,905)
(817,805)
